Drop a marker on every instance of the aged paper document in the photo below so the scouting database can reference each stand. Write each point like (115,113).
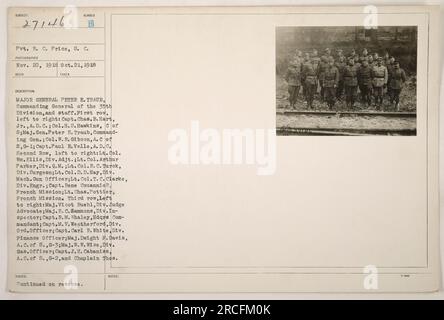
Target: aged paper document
(247,149)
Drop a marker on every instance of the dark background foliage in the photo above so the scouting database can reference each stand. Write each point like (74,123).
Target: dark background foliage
(400,42)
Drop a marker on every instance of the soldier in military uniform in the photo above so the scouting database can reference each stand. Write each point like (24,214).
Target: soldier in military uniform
(350,83)
(365,82)
(375,57)
(309,76)
(306,61)
(297,57)
(340,65)
(352,54)
(357,60)
(389,66)
(397,80)
(380,78)
(321,73)
(331,79)
(327,54)
(293,78)
(327,57)
(364,55)
(316,60)
(370,61)
(386,59)
(340,53)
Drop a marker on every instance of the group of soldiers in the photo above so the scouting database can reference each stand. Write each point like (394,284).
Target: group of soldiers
(370,74)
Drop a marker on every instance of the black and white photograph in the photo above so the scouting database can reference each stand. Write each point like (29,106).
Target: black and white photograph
(346,80)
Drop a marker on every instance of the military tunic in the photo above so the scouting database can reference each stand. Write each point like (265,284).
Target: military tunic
(380,78)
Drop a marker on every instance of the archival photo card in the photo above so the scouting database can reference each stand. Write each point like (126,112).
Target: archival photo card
(346,80)
(154,150)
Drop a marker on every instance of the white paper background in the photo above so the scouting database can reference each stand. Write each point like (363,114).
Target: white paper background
(3,247)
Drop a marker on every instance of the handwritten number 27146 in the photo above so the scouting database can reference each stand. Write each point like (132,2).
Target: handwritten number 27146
(34,24)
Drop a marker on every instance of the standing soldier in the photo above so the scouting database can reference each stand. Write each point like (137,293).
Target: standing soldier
(306,61)
(293,78)
(380,78)
(370,61)
(350,83)
(396,82)
(309,74)
(297,56)
(322,67)
(365,82)
(364,54)
(340,53)
(321,73)
(327,54)
(315,58)
(352,54)
(375,57)
(390,66)
(358,63)
(386,60)
(357,59)
(331,79)
(340,65)
(316,61)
